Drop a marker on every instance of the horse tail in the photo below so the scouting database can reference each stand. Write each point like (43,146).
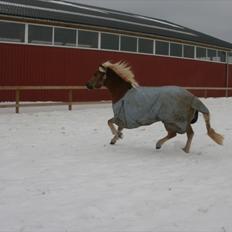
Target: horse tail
(195,117)
(216,137)
(199,106)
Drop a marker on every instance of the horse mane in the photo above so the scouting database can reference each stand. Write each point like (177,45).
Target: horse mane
(123,70)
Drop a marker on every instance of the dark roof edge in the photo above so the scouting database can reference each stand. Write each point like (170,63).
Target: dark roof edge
(65,12)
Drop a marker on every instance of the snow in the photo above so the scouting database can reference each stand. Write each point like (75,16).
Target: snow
(159,21)
(59,173)
(78,6)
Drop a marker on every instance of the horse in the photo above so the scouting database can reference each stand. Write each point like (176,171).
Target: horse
(134,105)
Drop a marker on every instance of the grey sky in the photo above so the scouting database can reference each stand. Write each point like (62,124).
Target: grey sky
(213,17)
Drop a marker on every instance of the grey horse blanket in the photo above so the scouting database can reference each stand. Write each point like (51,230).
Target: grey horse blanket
(172,105)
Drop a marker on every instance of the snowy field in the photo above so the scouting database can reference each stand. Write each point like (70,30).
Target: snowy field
(58,173)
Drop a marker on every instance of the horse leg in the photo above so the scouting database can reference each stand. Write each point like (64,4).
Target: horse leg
(116,132)
(120,134)
(190,134)
(170,135)
(112,127)
(117,136)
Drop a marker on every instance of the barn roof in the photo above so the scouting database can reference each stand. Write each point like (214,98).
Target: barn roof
(63,11)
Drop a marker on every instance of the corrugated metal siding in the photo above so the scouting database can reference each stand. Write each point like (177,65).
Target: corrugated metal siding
(230,75)
(230,79)
(41,65)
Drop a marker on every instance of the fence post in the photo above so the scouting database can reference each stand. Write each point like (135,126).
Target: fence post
(70,100)
(205,93)
(17,101)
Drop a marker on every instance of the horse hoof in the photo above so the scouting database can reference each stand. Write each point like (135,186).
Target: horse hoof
(158,146)
(185,150)
(112,142)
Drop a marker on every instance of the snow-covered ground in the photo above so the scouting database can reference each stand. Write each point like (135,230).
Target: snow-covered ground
(58,173)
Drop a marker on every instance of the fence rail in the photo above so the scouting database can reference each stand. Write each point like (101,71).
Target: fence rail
(19,89)
(70,102)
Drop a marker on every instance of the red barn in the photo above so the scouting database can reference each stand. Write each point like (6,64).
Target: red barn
(58,43)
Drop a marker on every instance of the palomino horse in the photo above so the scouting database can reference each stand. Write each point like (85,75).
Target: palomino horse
(136,106)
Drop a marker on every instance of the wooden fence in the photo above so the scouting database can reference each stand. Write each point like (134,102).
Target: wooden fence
(19,89)
(70,103)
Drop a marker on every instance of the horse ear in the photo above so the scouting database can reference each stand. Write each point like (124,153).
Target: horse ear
(102,69)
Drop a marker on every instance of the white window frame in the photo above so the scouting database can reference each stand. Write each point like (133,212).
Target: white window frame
(144,52)
(168,42)
(38,44)
(98,32)
(201,59)
(194,52)
(15,42)
(136,37)
(182,49)
(219,50)
(119,42)
(229,57)
(26,36)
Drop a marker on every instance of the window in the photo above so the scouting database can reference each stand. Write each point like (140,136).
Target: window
(12,32)
(39,34)
(128,44)
(162,48)
(212,54)
(176,49)
(188,51)
(87,39)
(222,56)
(109,41)
(230,57)
(65,37)
(146,46)
(201,53)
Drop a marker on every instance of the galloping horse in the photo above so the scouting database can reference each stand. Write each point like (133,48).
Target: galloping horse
(135,106)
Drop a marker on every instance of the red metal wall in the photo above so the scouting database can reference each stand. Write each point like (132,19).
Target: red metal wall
(41,65)
(230,79)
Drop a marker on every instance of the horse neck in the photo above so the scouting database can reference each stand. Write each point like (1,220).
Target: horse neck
(117,87)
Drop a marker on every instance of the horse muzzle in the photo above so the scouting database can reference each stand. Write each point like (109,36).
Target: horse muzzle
(89,86)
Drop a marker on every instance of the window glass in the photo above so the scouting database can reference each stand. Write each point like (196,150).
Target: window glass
(13,32)
(212,54)
(146,46)
(188,51)
(88,39)
(176,49)
(65,37)
(162,48)
(222,56)
(128,44)
(39,34)
(109,41)
(230,57)
(201,53)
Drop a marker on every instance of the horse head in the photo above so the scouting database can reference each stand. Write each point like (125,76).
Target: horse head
(98,79)
(119,70)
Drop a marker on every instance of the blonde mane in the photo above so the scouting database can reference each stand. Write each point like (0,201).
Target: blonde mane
(123,70)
